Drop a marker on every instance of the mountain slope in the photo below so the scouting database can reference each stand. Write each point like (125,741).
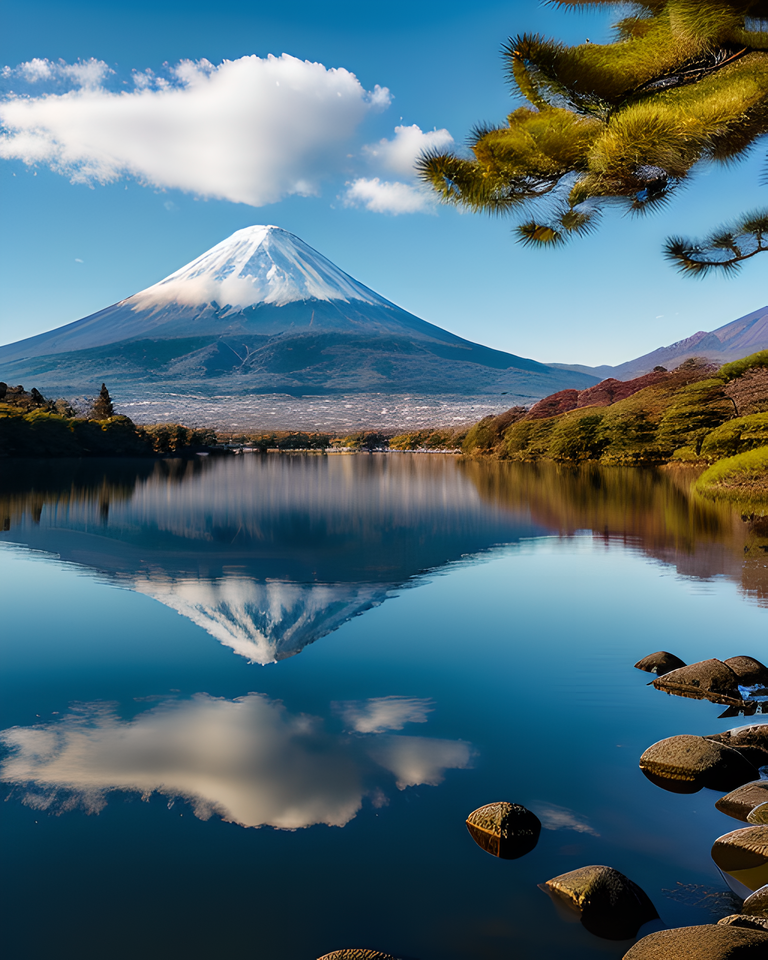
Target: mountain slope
(734,340)
(264,312)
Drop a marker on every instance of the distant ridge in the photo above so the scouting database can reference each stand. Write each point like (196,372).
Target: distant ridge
(263,312)
(732,341)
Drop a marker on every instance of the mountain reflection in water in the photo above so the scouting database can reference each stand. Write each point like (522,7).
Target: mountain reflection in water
(269,553)
(249,761)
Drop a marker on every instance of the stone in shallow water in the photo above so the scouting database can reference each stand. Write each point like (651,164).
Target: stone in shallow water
(686,763)
(507,830)
(739,803)
(660,662)
(707,679)
(749,671)
(357,954)
(743,854)
(758,814)
(610,905)
(707,942)
(757,904)
(745,921)
(751,742)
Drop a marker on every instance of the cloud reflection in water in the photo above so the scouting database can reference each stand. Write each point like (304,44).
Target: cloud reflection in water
(249,761)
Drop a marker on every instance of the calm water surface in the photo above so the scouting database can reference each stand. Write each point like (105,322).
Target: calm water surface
(349,653)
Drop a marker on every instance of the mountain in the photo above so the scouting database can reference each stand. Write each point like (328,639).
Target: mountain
(263,312)
(732,341)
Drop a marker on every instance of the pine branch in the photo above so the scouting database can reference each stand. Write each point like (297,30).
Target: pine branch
(723,250)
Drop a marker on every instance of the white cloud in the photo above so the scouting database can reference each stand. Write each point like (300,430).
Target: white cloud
(383,713)
(250,130)
(399,154)
(249,761)
(382,196)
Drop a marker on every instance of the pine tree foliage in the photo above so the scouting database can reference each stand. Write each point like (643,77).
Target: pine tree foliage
(621,123)
(102,406)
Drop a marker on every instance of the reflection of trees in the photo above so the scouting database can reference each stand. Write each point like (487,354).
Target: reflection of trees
(653,509)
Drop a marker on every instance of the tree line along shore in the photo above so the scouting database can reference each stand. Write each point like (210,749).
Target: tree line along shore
(697,413)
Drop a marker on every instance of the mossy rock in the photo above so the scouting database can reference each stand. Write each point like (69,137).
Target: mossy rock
(739,803)
(660,663)
(705,680)
(610,905)
(707,942)
(506,830)
(743,854)
(686,763)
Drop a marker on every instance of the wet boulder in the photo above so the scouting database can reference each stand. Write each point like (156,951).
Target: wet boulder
(749,672)
(751,742)
(609,904)
(758,814)
(357,954)
(707,942)
(705,680)
(686,763)
(757,904)
(743,920)
(743,854)
(507,830)
(660,662)
(739,803)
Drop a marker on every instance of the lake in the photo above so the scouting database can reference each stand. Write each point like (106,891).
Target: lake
(248,703)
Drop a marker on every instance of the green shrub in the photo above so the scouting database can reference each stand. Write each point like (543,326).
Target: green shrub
(695,410)
(729,371)
(736,436)
(742,478)
(577,438)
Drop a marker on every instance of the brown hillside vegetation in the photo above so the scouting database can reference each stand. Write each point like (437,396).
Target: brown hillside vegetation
(660,417)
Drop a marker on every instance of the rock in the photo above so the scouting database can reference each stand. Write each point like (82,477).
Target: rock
(357,954)
(686,763)
(741,920)
(609,904)
(751,742)
(506,830)
(757,904)
(660,662)
(749,672)
(707,679)
(707,942)
(744,855)
(739,803)
(758,814)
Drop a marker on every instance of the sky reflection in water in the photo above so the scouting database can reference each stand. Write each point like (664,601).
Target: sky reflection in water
(436,636)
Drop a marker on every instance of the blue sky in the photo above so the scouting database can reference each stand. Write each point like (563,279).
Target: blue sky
(178,157)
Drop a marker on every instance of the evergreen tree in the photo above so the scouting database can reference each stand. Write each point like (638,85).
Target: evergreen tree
(622,123)
(102,406)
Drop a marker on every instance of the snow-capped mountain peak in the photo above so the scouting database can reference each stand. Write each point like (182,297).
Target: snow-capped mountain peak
(259,264)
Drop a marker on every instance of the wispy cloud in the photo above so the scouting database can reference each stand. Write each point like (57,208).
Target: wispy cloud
(252,130)
(383,713)
(561,818)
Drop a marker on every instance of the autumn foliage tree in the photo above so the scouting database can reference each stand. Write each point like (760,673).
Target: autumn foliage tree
(622,123)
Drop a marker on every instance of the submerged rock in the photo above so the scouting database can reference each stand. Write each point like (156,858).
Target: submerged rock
(757,904)
(610,905)
(507,830)
(739,803)
(707,679)
(660,662)
(744,855)
(707,942)
(686,763)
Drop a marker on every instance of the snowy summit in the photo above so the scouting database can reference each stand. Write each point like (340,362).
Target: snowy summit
(259,264)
